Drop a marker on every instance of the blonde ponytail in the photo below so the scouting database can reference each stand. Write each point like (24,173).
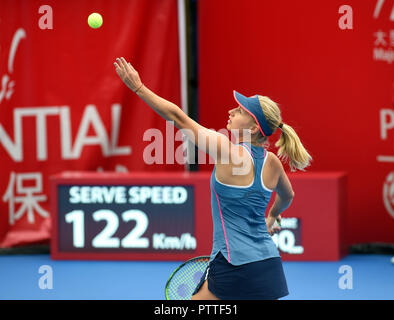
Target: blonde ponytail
(290,148)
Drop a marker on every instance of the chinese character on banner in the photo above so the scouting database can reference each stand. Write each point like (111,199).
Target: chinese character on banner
(28,196)
(380,38)
(383,43)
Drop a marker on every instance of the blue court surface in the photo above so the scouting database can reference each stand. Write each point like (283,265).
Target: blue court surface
(368,277)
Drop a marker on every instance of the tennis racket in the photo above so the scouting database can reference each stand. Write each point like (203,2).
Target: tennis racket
(184,280)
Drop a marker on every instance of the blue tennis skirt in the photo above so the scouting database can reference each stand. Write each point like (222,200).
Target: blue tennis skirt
(260,280)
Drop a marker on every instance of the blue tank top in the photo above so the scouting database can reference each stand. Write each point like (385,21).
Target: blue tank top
(238,213)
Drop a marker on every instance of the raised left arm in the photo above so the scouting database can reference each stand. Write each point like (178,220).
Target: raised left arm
(217,145)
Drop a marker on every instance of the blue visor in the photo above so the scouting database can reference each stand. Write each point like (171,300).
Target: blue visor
(253,107)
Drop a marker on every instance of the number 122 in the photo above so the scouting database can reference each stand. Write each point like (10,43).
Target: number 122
(104,239)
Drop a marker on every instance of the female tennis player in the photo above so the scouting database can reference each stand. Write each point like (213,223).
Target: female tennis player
(244,262)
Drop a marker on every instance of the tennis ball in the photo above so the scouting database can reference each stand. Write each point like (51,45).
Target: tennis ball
(95,20)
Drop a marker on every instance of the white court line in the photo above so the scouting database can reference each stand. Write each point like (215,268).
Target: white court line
(385,158)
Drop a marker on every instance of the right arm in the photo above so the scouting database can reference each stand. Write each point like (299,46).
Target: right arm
(284,191)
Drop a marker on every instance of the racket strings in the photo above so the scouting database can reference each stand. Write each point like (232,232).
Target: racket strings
(185,280)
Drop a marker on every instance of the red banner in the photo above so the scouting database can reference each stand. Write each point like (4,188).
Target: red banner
(329,65)
(62,104)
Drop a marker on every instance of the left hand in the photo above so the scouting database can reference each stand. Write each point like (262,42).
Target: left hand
(270,221)
(128,74)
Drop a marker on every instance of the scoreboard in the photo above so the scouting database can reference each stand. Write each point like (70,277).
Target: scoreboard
(126,216)
(143,218)
(167,216)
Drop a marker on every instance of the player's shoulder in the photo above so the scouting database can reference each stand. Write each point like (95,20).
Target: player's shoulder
(273,161)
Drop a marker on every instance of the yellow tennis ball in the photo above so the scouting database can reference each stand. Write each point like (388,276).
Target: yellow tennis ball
(95,20)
